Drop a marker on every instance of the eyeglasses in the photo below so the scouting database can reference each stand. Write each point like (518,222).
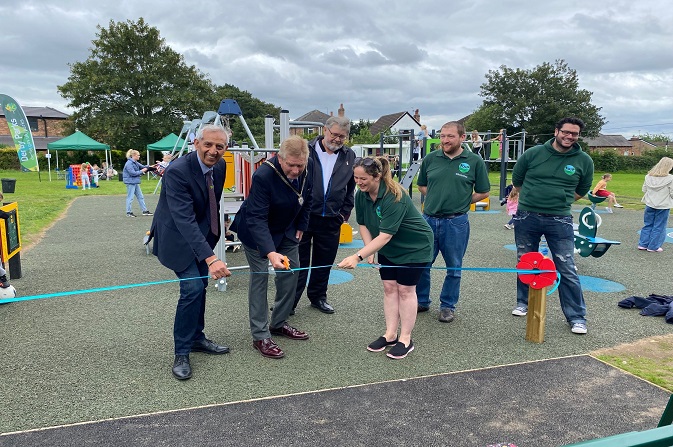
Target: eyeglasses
(367,162)
(336,136)
(567,133)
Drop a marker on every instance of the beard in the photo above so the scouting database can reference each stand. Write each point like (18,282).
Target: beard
(451,149)
(331,146)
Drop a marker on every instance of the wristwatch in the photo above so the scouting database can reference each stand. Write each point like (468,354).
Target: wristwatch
(359,257)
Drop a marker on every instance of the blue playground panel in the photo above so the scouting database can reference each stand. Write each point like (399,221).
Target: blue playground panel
(593,284)
(339,277)
(355,244)
(598,210)
(486,212)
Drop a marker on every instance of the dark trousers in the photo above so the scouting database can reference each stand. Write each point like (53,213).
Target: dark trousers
(189,315)
(322,237)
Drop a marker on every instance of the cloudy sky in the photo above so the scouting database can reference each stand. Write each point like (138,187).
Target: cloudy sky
(375,57)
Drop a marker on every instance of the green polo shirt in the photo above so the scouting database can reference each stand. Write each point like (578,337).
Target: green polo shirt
(451,181)
(412,240)
(549,179)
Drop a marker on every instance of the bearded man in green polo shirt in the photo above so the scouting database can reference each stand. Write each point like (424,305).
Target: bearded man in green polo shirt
(550,177)
(451,179)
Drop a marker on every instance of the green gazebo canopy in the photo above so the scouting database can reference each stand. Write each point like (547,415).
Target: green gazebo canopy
(78,141)
(167,143)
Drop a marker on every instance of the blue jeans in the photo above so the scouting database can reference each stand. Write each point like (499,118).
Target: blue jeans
(451,237)
(653,234)
(132,190)
(190,312)
(558,231)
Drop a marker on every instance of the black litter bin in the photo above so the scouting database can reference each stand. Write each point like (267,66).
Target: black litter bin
(8,185)
(121,177)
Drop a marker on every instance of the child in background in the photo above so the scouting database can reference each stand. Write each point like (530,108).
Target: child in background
(512,205)
(229,236)
(84,174)
(601,191)
(95,171)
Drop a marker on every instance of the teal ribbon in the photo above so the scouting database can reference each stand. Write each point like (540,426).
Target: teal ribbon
(154,283)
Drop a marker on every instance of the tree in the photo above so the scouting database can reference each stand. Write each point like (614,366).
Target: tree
(133,88)
(655,137)
(534,100)
(360,134)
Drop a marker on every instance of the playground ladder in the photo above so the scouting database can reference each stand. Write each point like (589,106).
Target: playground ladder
(410,174)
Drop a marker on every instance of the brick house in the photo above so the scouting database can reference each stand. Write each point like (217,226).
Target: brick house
(46,125)
(618,144)
(314,116)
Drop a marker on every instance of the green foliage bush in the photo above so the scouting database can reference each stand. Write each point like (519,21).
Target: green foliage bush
(10,161)
(612,162)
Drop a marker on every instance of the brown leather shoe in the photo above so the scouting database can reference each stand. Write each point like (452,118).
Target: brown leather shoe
(288,331)
(268,348)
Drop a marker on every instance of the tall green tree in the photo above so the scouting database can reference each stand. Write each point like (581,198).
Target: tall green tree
(133,88)
(534,100)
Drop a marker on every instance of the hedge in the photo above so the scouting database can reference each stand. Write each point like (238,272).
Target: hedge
(10,161)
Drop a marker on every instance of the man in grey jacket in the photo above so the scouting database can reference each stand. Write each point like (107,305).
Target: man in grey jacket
(333,188)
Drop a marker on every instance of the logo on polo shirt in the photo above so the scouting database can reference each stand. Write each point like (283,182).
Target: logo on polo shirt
(464,168)
(569,169)
(378,212)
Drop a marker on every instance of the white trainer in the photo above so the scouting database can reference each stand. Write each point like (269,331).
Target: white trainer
(579,328)
(520,311)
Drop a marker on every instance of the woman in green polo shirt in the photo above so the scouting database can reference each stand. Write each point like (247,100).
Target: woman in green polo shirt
(391,225)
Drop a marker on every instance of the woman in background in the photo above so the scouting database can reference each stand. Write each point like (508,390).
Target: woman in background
(476,142)
(132,172)
(658,198)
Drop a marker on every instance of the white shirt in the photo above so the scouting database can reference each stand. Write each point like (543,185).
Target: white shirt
(327,161)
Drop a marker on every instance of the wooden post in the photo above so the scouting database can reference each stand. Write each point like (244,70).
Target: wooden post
(537,312)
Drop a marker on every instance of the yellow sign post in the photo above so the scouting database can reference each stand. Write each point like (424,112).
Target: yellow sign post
(10,237)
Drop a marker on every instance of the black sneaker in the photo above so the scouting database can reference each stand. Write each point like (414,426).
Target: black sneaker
(4,282)
(147,213)
(130,215)
(399,351)
(380,344)
(422,308)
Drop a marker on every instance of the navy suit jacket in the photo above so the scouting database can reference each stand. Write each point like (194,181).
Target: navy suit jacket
(272,209)
(181,224)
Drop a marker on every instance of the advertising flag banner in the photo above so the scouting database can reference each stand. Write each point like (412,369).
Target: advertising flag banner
(20,131)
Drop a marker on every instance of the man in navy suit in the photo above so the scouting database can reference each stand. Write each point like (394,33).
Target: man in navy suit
(270,225)
(185,229)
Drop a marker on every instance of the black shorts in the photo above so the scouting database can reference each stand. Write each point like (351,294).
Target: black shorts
(404,274)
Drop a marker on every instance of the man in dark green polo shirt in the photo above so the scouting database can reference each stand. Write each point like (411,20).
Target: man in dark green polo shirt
(451,179)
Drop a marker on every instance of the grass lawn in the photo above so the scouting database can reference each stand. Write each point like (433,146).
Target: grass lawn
(42,201)
(627,188)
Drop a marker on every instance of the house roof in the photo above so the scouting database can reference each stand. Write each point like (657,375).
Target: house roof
(44,112)
(388,121)
(315,116)
(656,143)
(608,141)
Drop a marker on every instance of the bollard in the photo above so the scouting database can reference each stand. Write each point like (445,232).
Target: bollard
(537,313)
